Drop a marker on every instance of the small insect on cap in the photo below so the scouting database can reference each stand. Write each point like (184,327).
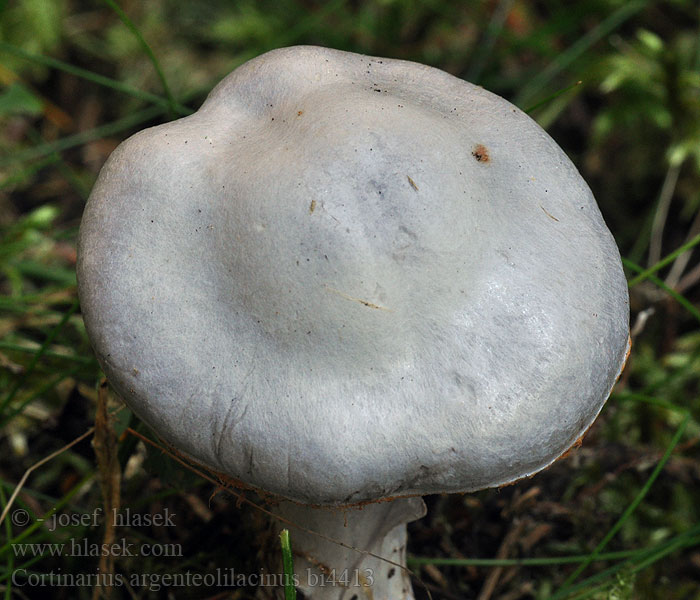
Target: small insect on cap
(347,278)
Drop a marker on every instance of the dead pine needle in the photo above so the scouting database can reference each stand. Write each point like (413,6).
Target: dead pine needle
(38,464)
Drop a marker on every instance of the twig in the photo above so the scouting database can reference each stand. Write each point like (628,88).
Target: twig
(106,452)
(689,279)
(508,541)
(641,321)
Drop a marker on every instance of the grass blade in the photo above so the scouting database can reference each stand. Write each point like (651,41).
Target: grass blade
(83,137)
(484,49)
(147,49)
(682,300)
(664,261)
(594,584)
(544,561)
(81,360)
(290,592)
(35,360)
(606,27)
(93,77)
(553,96)
(10,556)
(566,586)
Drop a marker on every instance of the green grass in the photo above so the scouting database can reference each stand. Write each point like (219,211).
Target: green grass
(290,592)
(617,519)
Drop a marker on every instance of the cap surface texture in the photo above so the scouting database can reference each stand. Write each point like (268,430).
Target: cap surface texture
(347,278)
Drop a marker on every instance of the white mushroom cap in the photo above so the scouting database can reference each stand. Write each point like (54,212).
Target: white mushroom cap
(347,278)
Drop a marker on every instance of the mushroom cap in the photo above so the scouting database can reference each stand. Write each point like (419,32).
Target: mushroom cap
(347,278)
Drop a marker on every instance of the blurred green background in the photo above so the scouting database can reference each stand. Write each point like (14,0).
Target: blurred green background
(616,83)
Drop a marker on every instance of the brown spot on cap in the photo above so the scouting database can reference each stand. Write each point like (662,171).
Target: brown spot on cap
(481,153)
(576,444)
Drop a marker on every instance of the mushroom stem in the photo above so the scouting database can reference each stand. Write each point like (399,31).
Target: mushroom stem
(326,570)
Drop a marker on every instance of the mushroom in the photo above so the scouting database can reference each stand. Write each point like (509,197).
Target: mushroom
(348,279)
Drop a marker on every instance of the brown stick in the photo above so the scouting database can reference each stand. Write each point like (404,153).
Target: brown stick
(508,541)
